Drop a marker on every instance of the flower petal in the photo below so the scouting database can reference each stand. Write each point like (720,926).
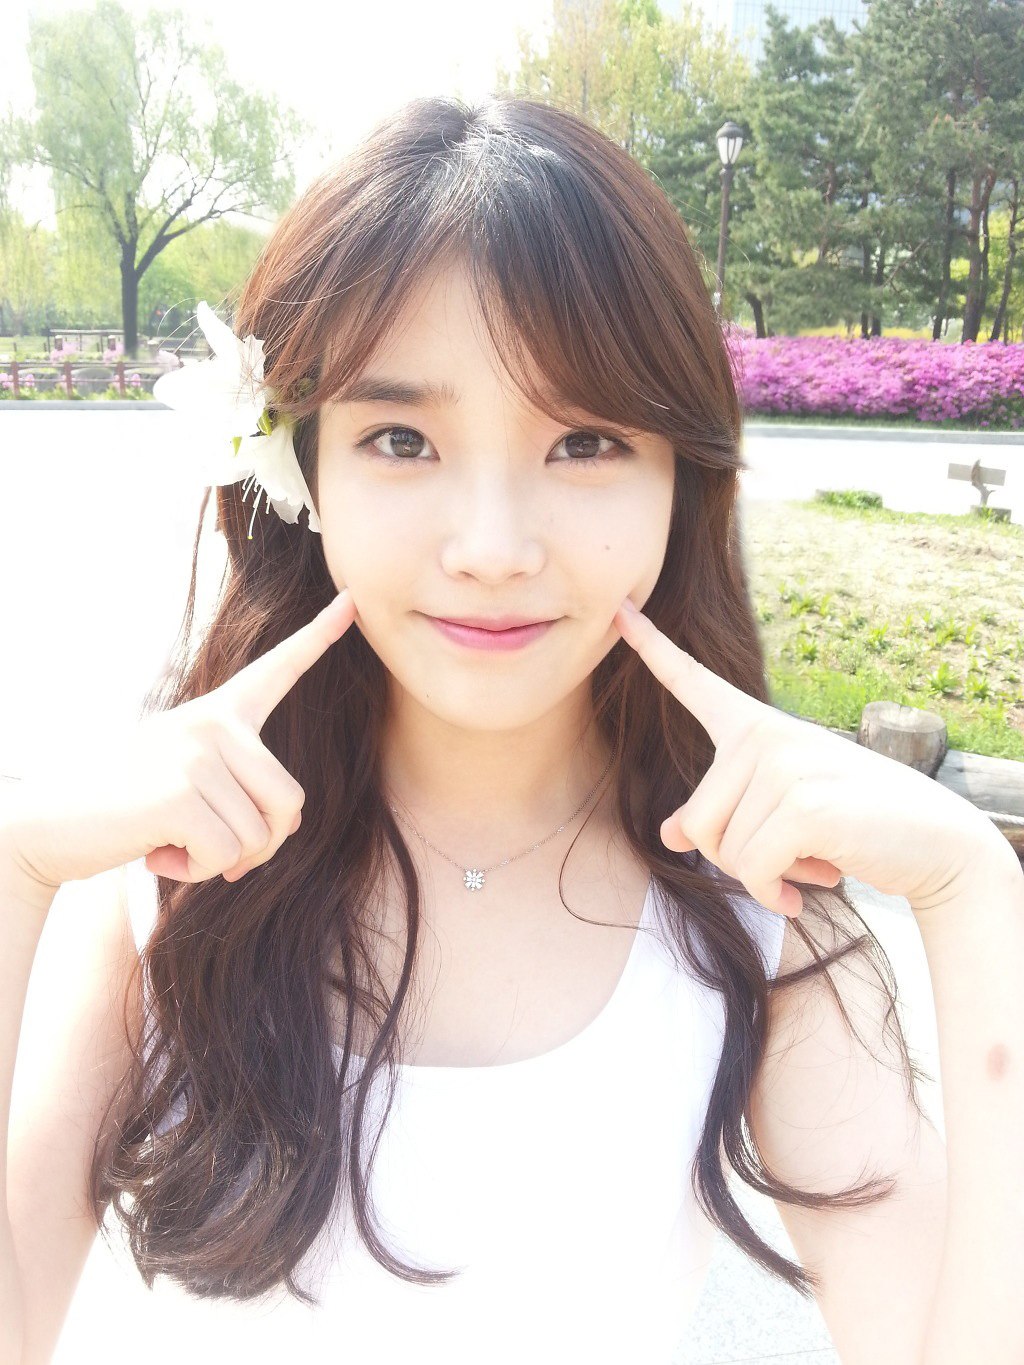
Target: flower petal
(208,392)
(224,397)
(276,467)
(224,343)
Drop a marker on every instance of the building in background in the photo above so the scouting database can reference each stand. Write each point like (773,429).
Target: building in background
(747,21)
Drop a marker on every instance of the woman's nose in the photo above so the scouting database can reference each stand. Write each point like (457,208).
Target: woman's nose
(492,529)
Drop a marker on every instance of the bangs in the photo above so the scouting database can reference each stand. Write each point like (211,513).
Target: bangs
(583,272)
(550,271)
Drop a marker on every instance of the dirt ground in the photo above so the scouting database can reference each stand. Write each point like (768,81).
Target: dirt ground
(885,568)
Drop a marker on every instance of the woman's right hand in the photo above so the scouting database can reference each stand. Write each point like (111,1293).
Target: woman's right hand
(193,789)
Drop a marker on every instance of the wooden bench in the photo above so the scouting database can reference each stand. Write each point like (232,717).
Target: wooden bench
(981,476)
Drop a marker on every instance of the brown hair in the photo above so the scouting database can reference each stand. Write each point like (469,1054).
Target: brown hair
(581,264)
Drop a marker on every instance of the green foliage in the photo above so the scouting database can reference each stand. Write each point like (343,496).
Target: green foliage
(839,209)
(945,631)
(848,497)
(208,263)
(134,162)
(940,109)
(876,638)
(26,255)
(852,205)
(977,687)
(943,681)
(649,81)
(838,699)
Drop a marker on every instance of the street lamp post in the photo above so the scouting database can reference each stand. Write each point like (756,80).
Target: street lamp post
(730,141)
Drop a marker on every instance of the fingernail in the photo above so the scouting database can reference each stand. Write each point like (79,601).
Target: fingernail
(629,609)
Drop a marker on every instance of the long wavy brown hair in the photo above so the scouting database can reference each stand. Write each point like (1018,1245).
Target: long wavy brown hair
(583,266)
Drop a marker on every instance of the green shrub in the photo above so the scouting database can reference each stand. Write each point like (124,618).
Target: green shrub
(848,497)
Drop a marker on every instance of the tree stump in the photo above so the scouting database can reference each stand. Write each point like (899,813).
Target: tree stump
(906,733)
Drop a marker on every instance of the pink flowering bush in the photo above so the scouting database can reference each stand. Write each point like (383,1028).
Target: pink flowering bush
(69,351)
(879,377)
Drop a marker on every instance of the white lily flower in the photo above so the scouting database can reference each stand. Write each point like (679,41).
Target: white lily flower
(226,395)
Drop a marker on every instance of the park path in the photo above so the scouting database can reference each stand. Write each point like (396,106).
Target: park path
(101,511)
(910,471)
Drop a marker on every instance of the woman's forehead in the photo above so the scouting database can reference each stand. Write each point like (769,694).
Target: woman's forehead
(427,377)
(436,302)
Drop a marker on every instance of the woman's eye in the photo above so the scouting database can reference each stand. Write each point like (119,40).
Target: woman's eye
(584,446)
(402,437)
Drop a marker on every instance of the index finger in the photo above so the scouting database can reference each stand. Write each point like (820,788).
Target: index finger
(717,704)
(265,682)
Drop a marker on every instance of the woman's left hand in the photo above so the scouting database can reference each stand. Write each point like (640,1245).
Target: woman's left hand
(787,798)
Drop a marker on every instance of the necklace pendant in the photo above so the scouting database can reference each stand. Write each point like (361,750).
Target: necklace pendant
(473,879)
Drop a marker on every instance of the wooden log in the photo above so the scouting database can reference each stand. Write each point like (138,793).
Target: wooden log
(994,785)
(906,733)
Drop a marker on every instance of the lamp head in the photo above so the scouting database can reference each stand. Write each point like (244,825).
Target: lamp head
(730,141)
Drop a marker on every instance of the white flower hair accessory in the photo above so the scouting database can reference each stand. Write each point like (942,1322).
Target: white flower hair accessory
(227,396)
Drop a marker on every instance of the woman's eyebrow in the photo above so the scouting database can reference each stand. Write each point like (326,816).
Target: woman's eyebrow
(371,388)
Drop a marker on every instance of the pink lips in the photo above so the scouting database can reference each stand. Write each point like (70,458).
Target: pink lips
(477,638)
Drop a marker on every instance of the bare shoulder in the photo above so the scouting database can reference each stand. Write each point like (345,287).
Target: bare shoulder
(72,1052)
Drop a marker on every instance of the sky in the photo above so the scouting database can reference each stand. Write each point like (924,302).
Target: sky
(341,76)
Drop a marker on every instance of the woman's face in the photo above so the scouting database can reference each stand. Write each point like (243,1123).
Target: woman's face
(486,509)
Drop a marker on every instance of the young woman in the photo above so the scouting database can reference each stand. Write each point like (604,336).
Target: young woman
(452,1016)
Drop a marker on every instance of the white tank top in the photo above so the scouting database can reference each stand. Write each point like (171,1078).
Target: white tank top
(559,1185)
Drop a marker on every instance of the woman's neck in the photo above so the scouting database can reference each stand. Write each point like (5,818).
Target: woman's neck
(483,794)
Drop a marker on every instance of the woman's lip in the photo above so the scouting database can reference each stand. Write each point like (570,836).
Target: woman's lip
(486,625)
(478,638)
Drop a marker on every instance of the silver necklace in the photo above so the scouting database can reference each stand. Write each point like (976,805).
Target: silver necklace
(473,877)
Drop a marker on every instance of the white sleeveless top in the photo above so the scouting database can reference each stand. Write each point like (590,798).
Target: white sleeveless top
(559,1185)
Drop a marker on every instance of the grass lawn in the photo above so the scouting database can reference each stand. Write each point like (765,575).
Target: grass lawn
(867,604)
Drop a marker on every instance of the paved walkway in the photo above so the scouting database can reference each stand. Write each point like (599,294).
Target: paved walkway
(910,472)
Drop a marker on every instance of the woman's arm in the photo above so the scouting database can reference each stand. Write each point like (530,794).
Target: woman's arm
(830,1110)
(23,909)
(975,949)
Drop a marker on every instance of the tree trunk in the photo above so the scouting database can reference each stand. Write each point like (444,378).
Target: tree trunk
(1001,322)
(974,304)
(876,321)
(758,308)
(947,256)
(130,304)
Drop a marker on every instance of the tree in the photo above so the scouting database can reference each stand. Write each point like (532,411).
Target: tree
(146,135)
(658,86)
(632,71)
(24,256)
(1008,267)
(812,246)
(942,97)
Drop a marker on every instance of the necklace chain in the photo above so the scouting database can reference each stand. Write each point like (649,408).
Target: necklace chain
(473,877)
